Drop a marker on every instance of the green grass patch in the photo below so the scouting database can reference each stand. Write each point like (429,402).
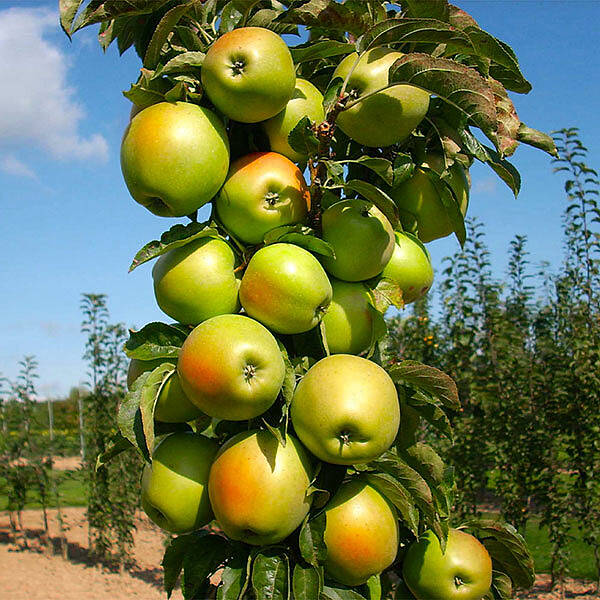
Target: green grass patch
(71,489)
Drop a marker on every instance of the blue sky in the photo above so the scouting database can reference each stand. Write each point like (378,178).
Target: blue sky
(68,224)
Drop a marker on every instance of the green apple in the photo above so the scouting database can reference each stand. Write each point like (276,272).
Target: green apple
(231,367)
(172,405)
(419,201)
(286,288)
(307,101)
(361,533)
(386,117)
(248,74)
(174,157)
(362,238)
(410,267)
(258,488)
(197,281)
(345,410)
(175,485)
(263,190)
(462,572)
(349,320)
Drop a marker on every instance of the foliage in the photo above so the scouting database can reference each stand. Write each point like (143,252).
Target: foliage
(469,73)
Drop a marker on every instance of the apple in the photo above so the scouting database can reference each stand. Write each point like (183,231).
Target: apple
(410,267)
(349,320)
(172,405)
(361,533)
(345,410)
(463,572)
(174,486)
(258,488)
(387,117)
(263,190)
(362,238)
(285,287)
(419,201)
(174,157)
(307,101)
(248,74)
(197,281)
(231,367)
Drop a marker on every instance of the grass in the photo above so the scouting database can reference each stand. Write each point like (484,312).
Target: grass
(71,489)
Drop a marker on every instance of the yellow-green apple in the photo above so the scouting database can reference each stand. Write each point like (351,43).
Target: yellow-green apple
(419,201)
(197,281)
(349,320)
(248,74)
(231,367)
(174,157)
(285,287)
(462,572)
(410,267)
(175,485)
(387,117)
(362,238)
(345,410)
(361,533)
(172,405)
(307,101)
(263,190)
(258,488)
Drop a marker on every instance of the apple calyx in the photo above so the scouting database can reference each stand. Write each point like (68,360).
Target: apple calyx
(271,198)
(249,372)
(237,67)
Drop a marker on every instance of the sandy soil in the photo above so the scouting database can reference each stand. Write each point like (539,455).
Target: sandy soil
(32,574)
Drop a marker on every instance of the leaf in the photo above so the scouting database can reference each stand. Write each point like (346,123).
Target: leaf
(378,328)
(507,549)
(68,9)
(451,205)
(386,292)
(337,592)
(307,582)
(379,166)
(311,540)
(374,587)
(320,49)
(105,10)
(404,168)
(184,62)
(397,494)
(289,380)
(332,94)
(177,236)
(116,445)
(378,197)
(172,562)
(270,575)
(206,553)
(537,139)
(303,139)
(161,33)
(300,235)
(502,586)
(155,340)
(233,578)
(436,9)
(136,413)
(429,408)
(429,379)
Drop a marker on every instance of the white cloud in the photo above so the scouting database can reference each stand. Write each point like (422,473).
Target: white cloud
(485,186)
(13,166)
(37,106)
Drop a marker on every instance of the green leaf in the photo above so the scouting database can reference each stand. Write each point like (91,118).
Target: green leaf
(332,94)
(537,139)
(428,379)
(289,380)
(182,63)
(156,340)
(320,49)
(303,139)
(374,587)
(429,408)
(206,553)
(311,540)
(434,9)
(378,328)
(68,9)
(404,167)
(300,235)
(116,445)
(338,592)
(507,549)
(386,292)
(231,17)
(379,166)
(176,94)
(233,578)
(307,582)
(451,205)
(378,197)
(143,96)
(179,235)
(270,575)
(172,562)
(105,10)
(397,494)
(502,586)
(161,33)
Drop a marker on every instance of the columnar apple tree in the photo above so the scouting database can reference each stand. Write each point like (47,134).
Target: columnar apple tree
(279,451)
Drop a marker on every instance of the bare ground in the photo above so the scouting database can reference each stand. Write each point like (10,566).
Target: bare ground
(34,574)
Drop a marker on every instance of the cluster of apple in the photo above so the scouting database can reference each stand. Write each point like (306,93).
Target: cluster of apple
(345,409)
